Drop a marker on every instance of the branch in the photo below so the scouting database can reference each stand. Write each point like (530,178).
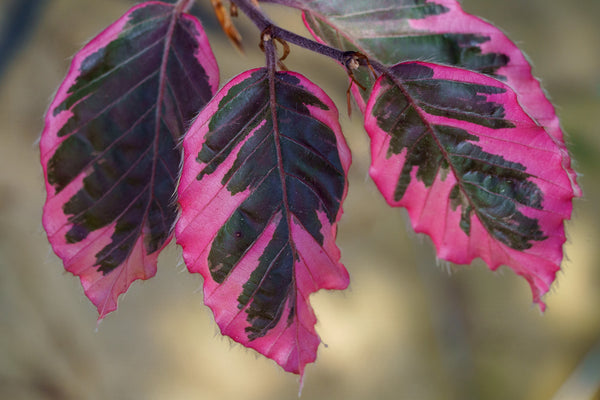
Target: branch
(263,22)
(352,60)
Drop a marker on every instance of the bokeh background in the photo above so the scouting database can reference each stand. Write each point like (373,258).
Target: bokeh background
(408,327)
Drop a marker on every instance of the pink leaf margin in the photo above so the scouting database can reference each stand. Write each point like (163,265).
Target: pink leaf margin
(429,208)
(205,209)
(102,290)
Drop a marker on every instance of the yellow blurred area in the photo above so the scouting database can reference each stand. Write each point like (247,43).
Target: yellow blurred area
(405,329)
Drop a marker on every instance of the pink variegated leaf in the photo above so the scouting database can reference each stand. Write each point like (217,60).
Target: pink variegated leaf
(109,146)
(440,31)
(264,177)
(474,171)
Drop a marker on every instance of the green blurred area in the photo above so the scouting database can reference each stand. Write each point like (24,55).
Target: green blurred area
(406,328)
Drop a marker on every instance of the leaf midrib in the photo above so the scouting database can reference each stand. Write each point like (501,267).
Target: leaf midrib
(159,101)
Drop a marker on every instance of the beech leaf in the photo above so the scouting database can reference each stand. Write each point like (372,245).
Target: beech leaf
(264,177)
(440,31)
(474,171)
(109,146)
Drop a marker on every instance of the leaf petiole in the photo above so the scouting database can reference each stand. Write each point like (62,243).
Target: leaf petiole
(183,5)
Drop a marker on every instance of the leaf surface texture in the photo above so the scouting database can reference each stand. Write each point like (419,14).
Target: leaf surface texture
(263,181)
(109,146)
(474,171)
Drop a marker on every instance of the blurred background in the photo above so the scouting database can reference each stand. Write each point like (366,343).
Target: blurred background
(407,328)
